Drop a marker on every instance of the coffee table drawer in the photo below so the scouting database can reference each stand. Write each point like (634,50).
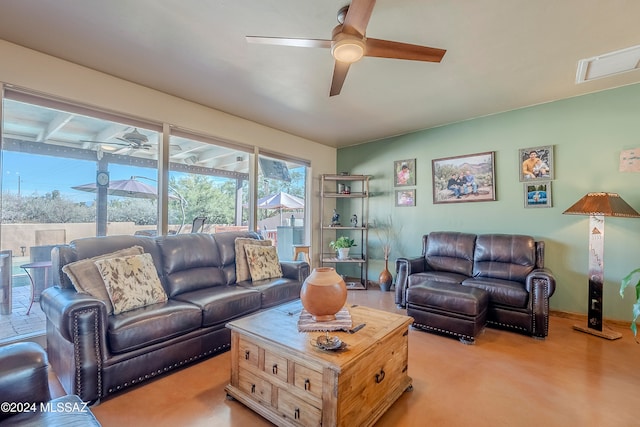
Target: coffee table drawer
(248,352)
(297,410)
(308,380)
(276,365)
(255,387)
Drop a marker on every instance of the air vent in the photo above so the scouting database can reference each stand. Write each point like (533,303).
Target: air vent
(608,64)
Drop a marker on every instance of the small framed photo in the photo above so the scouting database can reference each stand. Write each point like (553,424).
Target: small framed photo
(405,197)
(537,194)
(404,172)
(536,163)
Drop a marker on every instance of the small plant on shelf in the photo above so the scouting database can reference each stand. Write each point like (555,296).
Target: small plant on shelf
(342,242)
(627,281)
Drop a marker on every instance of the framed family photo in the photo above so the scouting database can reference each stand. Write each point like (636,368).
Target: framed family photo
(537,194)
(461,179)
(536,163)
(404,172)
(405,198)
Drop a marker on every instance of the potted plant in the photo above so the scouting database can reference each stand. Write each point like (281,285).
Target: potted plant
(627,281)
(342,244)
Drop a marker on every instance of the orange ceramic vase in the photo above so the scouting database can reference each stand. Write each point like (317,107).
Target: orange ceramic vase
(323,294)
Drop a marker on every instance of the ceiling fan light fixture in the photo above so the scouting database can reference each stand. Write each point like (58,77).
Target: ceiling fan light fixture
(110,148)
(347,49)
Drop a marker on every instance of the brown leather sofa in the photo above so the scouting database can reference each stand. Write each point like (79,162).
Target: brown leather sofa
(25,396)
(95,354)
(510,268)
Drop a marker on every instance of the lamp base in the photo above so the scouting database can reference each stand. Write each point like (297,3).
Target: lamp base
(610,335)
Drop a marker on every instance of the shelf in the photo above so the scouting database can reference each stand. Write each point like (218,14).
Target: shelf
(334,259)
(352,195)
(345,177)
(343,227)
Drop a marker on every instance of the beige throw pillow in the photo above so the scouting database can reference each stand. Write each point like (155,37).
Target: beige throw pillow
(132,282)
(263,262)
(86,278)
(242,267)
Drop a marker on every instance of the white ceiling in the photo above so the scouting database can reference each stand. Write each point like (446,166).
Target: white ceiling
(501,55)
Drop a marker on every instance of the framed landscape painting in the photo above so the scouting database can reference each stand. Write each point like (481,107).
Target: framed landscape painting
(536,163)
(461,179)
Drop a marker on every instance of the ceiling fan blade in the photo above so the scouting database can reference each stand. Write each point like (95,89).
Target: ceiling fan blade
(339,75)
(284,41)
(104,142)
(397,50)
(358,16)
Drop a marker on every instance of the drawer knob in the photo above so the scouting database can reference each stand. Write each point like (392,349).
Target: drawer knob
(274,369)
(380,376)
(253,388)
(296,414)
(246,354)
(307,384)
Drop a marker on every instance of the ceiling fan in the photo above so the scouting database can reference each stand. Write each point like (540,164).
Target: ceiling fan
(349,43)
(133,139)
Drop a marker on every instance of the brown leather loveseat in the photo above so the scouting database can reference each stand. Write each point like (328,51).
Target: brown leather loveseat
(510,268)
(95,353)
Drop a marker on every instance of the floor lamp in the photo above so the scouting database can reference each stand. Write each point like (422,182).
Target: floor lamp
(597,206)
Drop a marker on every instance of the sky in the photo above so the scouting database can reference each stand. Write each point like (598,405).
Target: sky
(39,175)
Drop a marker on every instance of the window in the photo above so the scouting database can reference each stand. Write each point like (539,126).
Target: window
(69,172)
(281,203)
(210,180)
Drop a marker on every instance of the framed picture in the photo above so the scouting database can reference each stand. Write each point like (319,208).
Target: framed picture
(404,172)
(536,163)
(406,197)
(537,194)
(462,179)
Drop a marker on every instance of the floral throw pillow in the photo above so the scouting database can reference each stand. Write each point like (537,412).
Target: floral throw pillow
(132,282)
(86,278)
(263,262)
(242,267)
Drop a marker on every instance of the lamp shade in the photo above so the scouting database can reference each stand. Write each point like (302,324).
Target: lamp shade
(605,204)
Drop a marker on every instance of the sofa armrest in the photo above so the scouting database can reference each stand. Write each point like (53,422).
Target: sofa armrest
(61,307)
(404,268)
(76,340)
(296,270)
(541,277)
(540,284)
(23,374)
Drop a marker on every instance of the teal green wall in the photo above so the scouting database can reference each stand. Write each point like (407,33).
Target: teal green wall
(588,134)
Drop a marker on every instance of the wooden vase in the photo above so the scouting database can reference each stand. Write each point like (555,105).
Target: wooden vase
(323,294)
(385,279)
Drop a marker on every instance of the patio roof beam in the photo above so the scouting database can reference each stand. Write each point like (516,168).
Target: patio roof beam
(17,145)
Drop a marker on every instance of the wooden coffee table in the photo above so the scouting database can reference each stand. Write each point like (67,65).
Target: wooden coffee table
(277,371)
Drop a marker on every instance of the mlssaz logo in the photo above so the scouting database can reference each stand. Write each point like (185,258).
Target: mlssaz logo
(67,407)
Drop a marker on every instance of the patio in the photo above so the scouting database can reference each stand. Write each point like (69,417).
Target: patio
(18,323)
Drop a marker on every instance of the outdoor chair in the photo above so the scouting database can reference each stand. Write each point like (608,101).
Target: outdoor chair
(198,224)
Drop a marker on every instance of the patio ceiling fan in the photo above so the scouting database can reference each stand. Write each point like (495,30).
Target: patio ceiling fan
(349,43)
(133,139)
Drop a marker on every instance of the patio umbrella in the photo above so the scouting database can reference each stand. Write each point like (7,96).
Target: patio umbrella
(280,201)
(124,188)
